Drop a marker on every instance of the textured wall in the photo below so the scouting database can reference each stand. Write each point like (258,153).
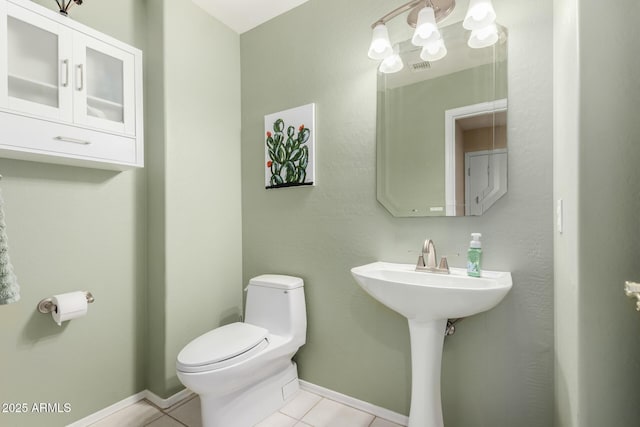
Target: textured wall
(609,182)
(596,175)
(317,53)
(69,229)
(203,216)
(565,186)
(160,247)
(194,192)
(155,165)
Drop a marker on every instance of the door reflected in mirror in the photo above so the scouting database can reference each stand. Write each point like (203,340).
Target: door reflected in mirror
(441,129)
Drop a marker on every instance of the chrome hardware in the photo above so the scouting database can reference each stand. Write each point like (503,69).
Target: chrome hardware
(429,249)
(73,140)
(632,290)
(451,326)
(65,63)
(47,306)
(80,86)
(441,8)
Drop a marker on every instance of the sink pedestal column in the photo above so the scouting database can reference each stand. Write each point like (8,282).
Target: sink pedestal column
(427,339)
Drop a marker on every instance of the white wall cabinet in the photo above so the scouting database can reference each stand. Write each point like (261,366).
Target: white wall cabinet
(68,94)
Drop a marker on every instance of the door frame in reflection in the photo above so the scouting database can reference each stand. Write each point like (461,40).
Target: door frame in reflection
(451,116)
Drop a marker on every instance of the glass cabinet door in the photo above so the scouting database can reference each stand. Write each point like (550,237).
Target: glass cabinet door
(104,95)
(38,64)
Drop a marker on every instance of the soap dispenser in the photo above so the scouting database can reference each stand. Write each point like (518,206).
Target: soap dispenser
(474,256)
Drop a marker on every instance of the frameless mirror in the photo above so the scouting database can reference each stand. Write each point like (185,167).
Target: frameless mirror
(441,129)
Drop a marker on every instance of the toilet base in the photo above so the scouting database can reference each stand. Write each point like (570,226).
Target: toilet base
(249,406)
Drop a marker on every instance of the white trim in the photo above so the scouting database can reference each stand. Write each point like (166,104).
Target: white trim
(355,403)
(128,401)
(450,117)
(184,394)
(168,402)
(109,410)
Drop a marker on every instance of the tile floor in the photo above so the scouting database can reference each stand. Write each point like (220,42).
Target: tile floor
(305,410)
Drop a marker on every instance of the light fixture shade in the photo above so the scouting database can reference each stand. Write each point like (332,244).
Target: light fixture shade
(392,63)
(434,51)
(380,45)
(479,15)
(484,37)
(426,28)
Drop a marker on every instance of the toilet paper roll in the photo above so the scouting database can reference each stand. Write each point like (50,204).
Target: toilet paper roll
(69,306)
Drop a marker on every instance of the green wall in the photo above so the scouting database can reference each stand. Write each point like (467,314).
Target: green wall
(317,53)
(203,211)
(159,247)
(194,182)
(604,329)
(565,187)
(609,244)
(76,229)
(155,165)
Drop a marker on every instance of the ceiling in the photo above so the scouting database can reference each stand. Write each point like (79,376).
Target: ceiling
(243,15)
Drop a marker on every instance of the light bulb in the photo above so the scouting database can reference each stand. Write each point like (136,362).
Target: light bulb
(433,51)
(392,63)
(380,45)
(483,37)
(426,28)
(479,15)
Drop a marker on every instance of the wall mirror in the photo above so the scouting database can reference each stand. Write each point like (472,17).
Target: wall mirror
(441,129)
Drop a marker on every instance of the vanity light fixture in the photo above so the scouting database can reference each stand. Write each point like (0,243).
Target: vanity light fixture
(424,16)
(479,15)
(484,37)
(481,20)
(380,45)
(426,27)
(392,63)
(433,51)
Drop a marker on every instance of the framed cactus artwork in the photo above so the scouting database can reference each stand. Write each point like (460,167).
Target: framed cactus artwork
(289,149)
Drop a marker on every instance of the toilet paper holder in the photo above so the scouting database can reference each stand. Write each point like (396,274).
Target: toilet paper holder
(47,306)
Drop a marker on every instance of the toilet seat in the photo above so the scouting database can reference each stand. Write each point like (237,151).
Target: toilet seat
(221,347)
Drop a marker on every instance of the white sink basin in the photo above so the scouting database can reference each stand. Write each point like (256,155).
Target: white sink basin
(427,300)
(431,296)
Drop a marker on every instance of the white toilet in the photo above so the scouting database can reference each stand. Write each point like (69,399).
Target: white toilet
(243,371)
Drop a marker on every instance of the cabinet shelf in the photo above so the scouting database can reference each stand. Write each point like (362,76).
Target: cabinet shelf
(104,102)
(13,78)
(33,90)
(105,109)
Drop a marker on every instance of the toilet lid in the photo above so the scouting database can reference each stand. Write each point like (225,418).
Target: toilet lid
(222,343)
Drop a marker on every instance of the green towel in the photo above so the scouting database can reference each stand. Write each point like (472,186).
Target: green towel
(9,288)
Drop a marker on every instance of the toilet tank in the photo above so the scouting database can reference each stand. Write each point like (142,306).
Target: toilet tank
(276,302)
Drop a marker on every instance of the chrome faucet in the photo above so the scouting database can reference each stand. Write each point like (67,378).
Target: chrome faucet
(429,249)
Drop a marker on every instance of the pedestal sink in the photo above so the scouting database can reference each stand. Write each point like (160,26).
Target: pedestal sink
(427,300)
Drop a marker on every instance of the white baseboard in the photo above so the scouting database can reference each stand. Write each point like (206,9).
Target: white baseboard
(355,403)
(103,413)
(168,402)
(182,395)
(144,394)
